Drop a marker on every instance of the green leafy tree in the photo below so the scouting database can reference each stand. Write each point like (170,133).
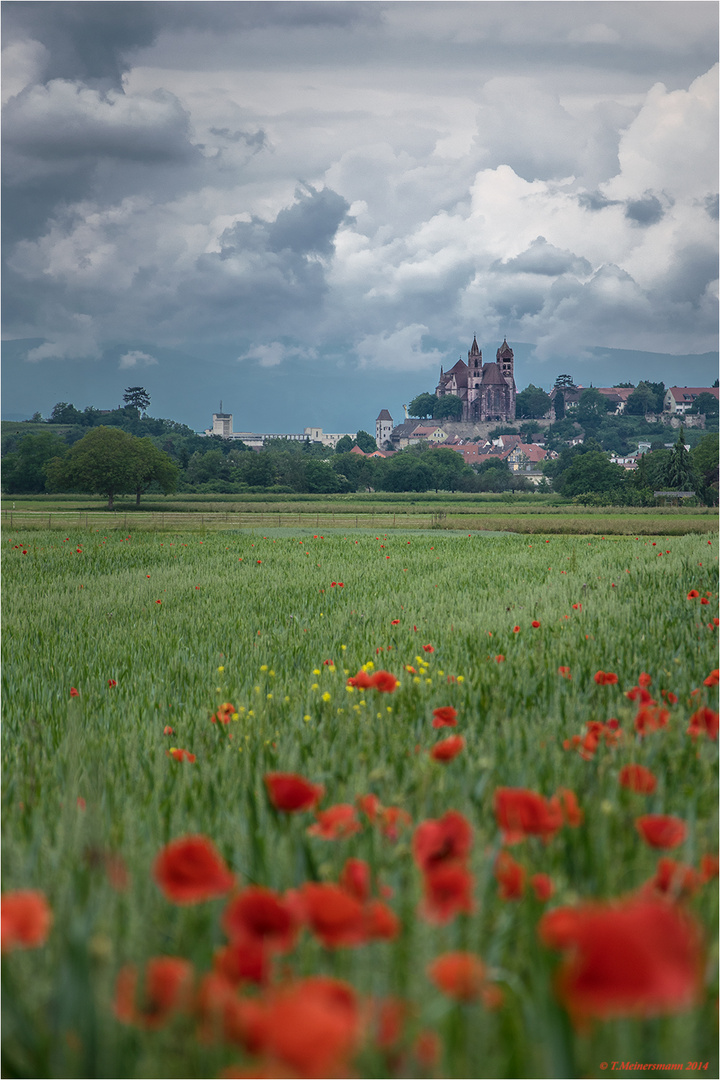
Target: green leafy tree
(706,404)
(704,460)
(642,401)
(64,413)
(103,462)
(592,407)
(152,466)
(447,466)
(366,442)
(448,407)
(559,405)
(24,469)
(565,382)
(344,445)
(532,402)
(679,468)
(321,478)
(423,405)
(137,397)
(591,472)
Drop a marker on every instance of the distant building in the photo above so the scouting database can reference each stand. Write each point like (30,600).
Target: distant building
(223,426)
(679,399)
(383,427)
(487,391)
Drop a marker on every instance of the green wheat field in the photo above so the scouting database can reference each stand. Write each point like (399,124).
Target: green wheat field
(240,647)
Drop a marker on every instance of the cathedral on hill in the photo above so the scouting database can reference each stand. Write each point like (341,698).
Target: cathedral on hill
(487,391)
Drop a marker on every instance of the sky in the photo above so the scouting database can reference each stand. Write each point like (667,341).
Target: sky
(304,209)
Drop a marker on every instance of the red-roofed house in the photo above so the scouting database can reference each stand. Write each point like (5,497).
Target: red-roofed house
(679,399)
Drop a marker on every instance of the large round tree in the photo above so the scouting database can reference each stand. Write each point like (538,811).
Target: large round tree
(109,461)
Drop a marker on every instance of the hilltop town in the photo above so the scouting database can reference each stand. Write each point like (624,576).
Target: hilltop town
(476,410)
(475,433)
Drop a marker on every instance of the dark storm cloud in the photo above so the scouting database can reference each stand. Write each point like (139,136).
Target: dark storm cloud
(712,205)
(94,42)
(595,200)
(64,120)
(544,258)
(645,211)
(310,224)
(84,41)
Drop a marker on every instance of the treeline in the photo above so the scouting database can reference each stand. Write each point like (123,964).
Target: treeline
(113,462)
(132,452)
(585,473)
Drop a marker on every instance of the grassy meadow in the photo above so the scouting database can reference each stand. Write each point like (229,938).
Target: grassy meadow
(112,638)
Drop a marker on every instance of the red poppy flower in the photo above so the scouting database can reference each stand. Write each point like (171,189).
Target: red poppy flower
(639,693)
(565,672)
(384,681)
(520,813)
(74,692)
(444,716)
(258,912)
(428,648)
(500,659)
(644,679)
(333,915)
(313,1027)
(111,683)
(335,823)
(572,813)
(605,678)
(535,624)
(460,975)
(362,680)
(190,870)
(713,678)
(447,891)
(709,867)
(167,990)
(245,959)
(167,730)
(635,957)
(542,886)
(673,879)
(510,876)
(292,793)
(355,879)
(394,622)
(661,830)
(224,714)
(447,749)
(650,718)
(638,778)
(693,594)
(392,820)
(448,838)
(25,919)
(181,755)
(381,922)
(370,806)
(704,720)
(516,629)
